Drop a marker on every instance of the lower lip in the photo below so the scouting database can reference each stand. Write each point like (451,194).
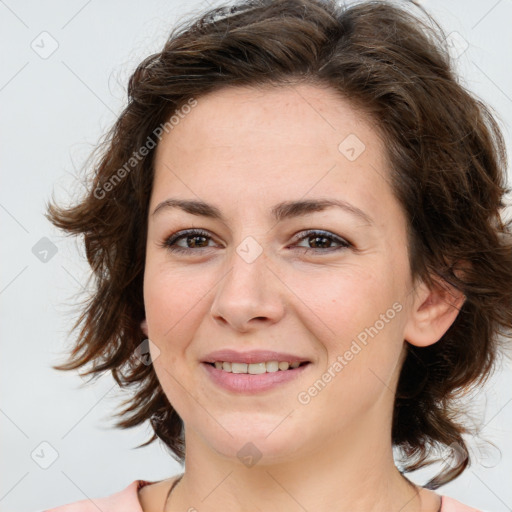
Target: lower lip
(248,383)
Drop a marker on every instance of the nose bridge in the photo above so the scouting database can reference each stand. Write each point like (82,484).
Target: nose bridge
(248,289)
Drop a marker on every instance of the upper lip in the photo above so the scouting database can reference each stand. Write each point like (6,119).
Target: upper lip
(251,356)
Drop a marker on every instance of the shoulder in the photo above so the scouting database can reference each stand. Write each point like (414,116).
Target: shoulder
(452,505)
(125,500)
(152,496)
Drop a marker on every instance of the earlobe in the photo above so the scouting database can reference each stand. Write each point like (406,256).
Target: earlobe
(144,326)
(433,312)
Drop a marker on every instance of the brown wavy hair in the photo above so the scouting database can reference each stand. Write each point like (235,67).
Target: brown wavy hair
(448,163)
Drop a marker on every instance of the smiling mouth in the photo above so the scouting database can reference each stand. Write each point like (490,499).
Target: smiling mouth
(257,368)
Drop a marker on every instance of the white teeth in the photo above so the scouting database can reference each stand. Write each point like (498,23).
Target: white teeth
(238,367)
(256,368)
(272,366)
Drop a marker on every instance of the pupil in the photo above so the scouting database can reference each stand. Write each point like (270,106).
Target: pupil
(195,238)
(319,238)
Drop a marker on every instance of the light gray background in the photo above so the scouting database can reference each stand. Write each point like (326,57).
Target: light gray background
(53,111)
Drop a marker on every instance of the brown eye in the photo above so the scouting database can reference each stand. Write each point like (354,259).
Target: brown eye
(322,241)
(194,239)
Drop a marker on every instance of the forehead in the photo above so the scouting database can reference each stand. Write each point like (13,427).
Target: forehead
(307,115)
(264,143)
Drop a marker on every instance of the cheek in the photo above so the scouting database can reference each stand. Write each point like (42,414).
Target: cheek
(173,299)
(354,314)
(362,342)
(341,302)
(175,303)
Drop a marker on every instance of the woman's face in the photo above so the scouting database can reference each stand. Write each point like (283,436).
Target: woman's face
(254,279)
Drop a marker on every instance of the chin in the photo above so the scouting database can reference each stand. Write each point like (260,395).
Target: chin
(260,445)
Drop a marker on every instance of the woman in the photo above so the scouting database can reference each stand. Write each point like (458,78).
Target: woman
(300,261)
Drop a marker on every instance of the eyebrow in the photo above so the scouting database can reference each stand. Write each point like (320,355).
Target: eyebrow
(281,211)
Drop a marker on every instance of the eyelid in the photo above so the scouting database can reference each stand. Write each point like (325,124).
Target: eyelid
(183,234)
(170,241)
(308,233)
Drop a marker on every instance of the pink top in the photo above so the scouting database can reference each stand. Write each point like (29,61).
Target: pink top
(127,501)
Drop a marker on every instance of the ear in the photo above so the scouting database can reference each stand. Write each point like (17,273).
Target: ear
(144,326)
(433,312)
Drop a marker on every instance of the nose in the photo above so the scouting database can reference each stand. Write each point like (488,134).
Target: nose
(249,295)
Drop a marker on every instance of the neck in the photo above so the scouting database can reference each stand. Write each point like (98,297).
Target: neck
(362,477)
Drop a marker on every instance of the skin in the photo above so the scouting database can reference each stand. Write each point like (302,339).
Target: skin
(245,150)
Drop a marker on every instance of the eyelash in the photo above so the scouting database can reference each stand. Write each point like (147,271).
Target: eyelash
(169,242)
